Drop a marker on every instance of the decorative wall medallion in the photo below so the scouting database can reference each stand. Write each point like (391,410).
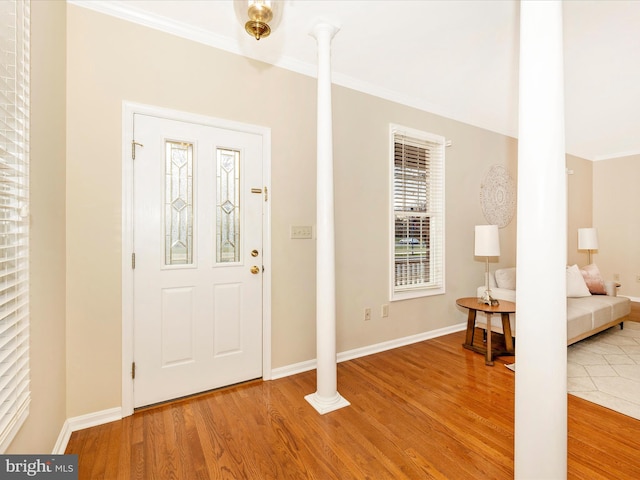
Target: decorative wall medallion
(498,196)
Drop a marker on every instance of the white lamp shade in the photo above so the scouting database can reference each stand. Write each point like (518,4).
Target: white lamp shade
(487,241)
(587,239)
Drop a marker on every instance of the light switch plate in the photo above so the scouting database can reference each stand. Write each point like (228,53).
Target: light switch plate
(301,232)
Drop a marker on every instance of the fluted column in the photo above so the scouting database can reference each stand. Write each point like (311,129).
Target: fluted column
(541,352)
(326,398)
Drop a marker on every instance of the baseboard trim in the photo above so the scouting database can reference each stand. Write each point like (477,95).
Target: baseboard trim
(292,369)
(63,439)
(112,414)
(301,367)
(84,421)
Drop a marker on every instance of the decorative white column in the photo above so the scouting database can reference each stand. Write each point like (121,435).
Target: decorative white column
(541,353)
(326,398)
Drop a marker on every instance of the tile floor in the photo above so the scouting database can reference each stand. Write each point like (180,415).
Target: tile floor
(605,369)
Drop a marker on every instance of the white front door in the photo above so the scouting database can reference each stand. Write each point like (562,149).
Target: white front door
(197,234)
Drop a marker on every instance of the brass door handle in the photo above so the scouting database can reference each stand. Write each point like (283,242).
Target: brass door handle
(255,269)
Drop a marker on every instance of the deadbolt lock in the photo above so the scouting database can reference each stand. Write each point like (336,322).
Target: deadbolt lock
(255,269)
(254,253)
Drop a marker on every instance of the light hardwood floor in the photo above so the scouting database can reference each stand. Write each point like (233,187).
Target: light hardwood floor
(431,410)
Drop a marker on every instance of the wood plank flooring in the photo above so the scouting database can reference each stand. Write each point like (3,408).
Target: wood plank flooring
(431,410)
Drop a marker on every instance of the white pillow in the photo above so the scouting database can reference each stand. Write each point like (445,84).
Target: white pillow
(506,278)
(576,286)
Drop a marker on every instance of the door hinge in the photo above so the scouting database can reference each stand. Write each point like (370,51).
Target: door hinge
(133,261)
(133,148)
(266,194)
(133,370)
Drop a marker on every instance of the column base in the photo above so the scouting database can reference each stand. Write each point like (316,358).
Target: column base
(323,405)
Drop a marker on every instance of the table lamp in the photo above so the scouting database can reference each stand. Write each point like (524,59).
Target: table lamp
(487,245)
(588,239)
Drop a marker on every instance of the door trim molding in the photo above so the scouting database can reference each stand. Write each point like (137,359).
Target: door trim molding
(129,109)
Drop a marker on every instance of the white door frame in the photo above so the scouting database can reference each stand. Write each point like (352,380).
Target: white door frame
(128,110)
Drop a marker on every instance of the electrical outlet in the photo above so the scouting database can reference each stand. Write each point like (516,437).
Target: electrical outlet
(384,311)
(367,314)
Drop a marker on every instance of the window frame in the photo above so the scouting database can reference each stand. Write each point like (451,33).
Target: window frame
(14,198)
(436,198)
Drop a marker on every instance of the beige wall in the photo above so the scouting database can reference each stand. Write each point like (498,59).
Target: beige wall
(579,204)
(110,61)
(47,247)
(615,200)
(361,146)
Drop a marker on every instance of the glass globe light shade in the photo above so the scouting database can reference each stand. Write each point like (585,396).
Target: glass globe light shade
(259,17)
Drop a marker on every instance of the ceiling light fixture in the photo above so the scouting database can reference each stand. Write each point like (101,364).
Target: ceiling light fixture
(259,16)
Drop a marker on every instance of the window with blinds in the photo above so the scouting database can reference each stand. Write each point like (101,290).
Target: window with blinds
(417,221)
(14,217)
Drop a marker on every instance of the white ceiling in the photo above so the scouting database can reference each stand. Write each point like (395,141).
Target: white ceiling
(458,59)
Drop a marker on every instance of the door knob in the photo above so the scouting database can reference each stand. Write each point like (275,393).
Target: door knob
(255,269)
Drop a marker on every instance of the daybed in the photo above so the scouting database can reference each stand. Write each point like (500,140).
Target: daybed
(592,304)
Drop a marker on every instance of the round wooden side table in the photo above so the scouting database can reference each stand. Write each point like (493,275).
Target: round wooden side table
(504,309)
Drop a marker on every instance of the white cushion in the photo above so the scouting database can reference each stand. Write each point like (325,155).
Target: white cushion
(506,278)
(576,286)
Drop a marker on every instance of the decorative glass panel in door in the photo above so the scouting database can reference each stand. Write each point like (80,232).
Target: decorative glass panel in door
(227,206)
(178,222)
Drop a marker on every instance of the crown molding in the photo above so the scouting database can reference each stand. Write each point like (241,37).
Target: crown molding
(123,11)
(616,155)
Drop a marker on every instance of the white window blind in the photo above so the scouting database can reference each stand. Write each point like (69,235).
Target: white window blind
(14,221)
(417,223)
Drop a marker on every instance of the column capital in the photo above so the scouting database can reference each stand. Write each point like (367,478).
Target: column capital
(323,30)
